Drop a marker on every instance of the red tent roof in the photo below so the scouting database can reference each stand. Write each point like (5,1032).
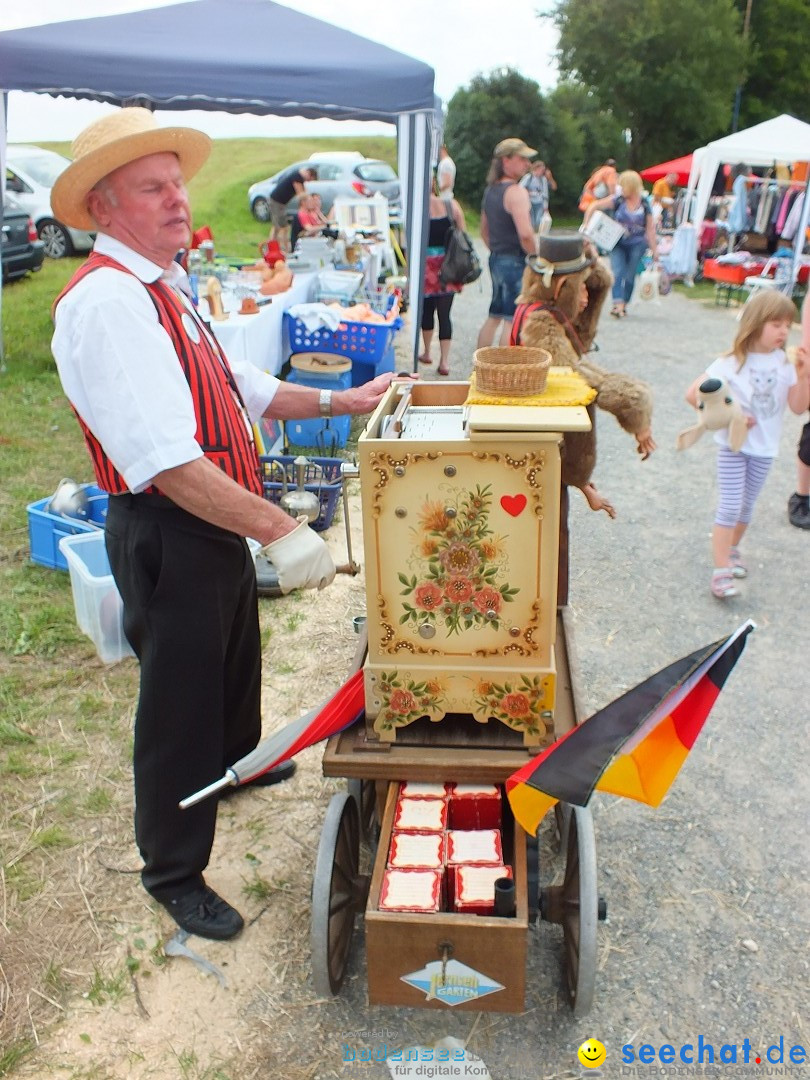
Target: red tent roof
(681,166)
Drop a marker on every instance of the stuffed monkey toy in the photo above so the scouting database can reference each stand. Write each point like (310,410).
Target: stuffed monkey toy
(564,289)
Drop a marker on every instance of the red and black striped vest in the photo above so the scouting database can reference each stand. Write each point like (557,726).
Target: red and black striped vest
(222,428)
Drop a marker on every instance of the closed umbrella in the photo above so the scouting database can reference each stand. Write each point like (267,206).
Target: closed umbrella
(339,712)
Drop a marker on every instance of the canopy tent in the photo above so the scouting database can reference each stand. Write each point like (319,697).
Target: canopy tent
(241,56)
(784,139)
(680,166)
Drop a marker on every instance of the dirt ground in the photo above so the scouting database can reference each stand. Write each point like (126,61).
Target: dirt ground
(707,931)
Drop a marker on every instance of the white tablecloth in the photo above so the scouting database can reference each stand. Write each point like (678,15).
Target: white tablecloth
(258,338)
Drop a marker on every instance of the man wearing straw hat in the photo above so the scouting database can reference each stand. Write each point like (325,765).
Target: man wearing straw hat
(167,421)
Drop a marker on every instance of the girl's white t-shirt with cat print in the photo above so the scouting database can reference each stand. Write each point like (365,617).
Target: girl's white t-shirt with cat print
(761,390)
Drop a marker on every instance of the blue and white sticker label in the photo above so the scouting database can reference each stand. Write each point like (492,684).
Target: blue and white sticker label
(451,983)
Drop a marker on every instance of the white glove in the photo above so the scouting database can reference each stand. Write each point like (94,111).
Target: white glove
(301,559)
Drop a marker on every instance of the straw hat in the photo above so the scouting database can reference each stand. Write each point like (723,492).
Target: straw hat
(560,253)
(113,141)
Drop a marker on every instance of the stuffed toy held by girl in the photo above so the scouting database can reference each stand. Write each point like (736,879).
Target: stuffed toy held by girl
(716,409)
(564,288)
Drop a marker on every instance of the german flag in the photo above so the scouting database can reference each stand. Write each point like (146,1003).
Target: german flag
(633,747)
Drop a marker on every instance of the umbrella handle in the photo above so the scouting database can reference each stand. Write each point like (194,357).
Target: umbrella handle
(230,779)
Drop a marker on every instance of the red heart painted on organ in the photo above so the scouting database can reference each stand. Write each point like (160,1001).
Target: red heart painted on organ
(513,504)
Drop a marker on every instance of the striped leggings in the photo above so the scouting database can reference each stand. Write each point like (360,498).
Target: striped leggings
(739,481)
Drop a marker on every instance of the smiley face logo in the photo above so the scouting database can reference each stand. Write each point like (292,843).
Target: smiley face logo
(592,1054)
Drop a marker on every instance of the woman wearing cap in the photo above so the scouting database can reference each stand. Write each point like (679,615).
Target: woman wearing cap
(167,422)
(633,211)
(506,229)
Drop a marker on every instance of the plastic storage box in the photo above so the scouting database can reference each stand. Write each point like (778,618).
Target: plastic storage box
(45,529)
(99,611)
(364,341)
(324,433)
(364,370)
(322,476)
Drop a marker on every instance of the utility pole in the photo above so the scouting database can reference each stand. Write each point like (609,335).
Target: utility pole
(735,116)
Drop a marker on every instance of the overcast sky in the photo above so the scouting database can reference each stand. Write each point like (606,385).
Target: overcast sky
(450,35)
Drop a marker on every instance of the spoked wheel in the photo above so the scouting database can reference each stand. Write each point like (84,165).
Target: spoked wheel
(576,907)
(338,893)
(364,793)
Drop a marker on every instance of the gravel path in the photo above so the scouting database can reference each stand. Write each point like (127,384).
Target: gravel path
(708,895)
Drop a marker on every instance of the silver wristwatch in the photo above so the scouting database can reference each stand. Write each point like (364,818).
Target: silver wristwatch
(325,403)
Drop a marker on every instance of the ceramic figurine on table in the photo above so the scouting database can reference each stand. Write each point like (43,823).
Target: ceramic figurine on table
(213,294)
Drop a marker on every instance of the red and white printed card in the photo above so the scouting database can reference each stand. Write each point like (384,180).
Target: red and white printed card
(416,850)
(476,847)
(411,890)
(421,815)
(474,806)
(413,789)
(473,888)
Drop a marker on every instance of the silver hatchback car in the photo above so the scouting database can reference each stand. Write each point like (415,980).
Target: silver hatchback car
(30,174)
(338,173)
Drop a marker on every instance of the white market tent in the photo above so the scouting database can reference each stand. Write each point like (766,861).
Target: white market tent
(240,56)
(784,139)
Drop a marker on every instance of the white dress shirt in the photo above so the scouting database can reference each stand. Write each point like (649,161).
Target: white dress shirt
(122,375)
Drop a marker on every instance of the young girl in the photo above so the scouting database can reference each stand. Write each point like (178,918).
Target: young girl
(762,382)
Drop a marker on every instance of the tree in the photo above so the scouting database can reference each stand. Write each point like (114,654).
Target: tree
(583,135)
(777,78)
(493,107)
(668,72)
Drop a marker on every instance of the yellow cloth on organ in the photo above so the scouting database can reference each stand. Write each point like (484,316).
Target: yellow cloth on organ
(564,387)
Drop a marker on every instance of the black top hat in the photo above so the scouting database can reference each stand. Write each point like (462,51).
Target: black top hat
(560,253)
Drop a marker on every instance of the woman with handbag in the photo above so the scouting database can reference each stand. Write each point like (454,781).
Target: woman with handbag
(633,211)
(438,296)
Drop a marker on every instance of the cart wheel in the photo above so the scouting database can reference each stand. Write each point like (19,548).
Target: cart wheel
(364,793)
(575,905)
(338,893)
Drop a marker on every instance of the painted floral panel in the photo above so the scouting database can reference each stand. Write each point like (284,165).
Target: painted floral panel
(519,703)
(460,566)
(405,700)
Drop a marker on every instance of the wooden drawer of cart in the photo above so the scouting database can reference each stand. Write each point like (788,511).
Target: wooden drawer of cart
(482,958)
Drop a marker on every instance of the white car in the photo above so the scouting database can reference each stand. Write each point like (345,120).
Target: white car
(30,174)
(338,173)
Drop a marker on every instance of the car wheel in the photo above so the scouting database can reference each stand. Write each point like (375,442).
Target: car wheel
(261,209)
(56,239)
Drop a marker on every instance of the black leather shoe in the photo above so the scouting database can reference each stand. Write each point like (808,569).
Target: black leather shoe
(204,913)
(276,775)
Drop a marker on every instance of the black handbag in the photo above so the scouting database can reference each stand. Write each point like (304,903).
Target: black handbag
(461,265)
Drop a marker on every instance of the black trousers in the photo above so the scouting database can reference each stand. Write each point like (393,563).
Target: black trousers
(191,616)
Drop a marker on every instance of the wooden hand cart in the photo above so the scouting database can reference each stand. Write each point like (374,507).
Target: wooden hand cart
(532,648)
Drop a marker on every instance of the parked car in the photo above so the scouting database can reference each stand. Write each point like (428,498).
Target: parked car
(338,173)
(30,175)
(21,250)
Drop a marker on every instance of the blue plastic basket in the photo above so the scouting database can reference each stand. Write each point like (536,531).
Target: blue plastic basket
(45,529)
(355,340)
(325,482)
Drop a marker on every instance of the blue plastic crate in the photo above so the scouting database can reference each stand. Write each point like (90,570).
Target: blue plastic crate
(325,482)
(364,341)
(365,370)
(45,529)
(325,434)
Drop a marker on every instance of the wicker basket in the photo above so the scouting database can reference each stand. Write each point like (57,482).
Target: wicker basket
(511,371)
